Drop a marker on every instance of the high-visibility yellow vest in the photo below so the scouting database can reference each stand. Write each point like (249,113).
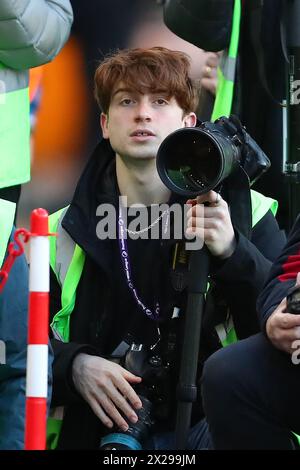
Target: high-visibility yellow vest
(7,214)
(14,127)
(227,68)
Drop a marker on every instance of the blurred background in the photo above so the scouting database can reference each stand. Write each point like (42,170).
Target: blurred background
(64,116)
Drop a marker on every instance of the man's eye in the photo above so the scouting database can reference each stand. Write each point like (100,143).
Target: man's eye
(126,102)
(161,101)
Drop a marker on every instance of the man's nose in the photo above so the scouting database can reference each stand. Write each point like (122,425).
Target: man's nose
(143,112)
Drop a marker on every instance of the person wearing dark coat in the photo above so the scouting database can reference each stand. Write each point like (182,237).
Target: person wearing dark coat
(100,304)
(251,389)
(259,80)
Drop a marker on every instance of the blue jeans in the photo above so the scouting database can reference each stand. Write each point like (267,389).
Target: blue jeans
(198,438)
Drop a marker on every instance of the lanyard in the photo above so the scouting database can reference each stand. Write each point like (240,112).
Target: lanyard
(154,315)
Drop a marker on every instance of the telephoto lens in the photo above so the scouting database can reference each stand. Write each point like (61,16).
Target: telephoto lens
(135,436)
(194,160)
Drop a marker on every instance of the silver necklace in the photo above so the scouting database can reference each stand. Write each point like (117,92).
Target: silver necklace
(137,232)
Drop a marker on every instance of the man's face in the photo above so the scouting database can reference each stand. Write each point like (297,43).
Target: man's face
(136,124)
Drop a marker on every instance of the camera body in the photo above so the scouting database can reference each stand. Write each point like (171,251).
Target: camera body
(194,160)
(293,300)
(145,363)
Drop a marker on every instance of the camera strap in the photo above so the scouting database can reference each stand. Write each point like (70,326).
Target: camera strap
(238,197)
(154,314)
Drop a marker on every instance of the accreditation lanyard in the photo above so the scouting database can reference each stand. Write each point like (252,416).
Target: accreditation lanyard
(125,260)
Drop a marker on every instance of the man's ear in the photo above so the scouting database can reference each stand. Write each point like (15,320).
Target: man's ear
(104,125)
(190,120)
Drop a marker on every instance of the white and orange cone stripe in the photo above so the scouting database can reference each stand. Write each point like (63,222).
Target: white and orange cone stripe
(37,351)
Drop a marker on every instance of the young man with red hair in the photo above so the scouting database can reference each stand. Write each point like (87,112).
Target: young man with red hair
(102,305)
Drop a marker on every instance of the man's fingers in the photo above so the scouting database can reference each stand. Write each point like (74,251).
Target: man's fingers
(191,202)
(288,335)
(131,377)
(128,392)
(201,211)
(297,332)
(287,320)
(212,60)
(203,223)
(209,84)
(98,410)
(123,405)
(110,401)
(212,197)
(110,405)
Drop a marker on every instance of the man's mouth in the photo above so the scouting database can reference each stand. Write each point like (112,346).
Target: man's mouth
(142,133)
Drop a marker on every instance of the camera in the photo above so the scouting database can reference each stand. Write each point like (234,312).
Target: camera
(293,300)
(193,160)
(152,392)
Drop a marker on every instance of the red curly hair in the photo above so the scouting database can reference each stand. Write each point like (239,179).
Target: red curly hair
(147,71)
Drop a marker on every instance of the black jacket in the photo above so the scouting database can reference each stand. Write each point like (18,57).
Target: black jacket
(282,276)
(95,326)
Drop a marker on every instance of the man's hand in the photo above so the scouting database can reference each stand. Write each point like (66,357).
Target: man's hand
(105,386)
(282,327)
(212,224)
(209,74)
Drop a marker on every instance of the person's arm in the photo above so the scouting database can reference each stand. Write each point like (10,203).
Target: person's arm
(205,23)
(239,266)
(32,32)
(278,324)
(242,276)
(80,374)
(234,257)
(64,392)
(251,260)
(13,336)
